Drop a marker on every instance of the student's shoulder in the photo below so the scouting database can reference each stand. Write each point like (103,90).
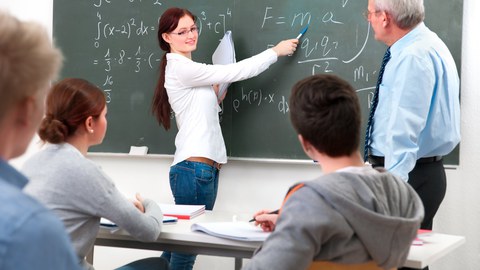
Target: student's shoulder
(28,209)
(35,225)
(28,218)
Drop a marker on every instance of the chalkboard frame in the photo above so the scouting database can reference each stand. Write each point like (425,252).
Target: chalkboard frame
(257,131)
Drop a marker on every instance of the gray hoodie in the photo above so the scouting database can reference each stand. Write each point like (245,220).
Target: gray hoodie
(346,218)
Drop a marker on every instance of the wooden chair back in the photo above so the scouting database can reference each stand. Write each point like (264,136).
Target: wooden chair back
(324,265)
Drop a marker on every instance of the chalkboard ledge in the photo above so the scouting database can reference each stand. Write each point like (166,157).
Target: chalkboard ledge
(241,159)
(126,155)
(166,156)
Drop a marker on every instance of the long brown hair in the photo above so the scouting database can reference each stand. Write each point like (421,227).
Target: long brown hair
(168,22)
(70,102)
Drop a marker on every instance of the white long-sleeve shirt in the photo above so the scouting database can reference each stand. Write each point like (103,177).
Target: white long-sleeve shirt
(192,98)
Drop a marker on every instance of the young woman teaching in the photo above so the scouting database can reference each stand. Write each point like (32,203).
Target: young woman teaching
(190,90)
(75,188)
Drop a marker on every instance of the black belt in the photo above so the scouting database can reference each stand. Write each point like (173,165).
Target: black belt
(380,161)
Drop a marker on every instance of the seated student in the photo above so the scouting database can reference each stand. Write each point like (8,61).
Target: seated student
(31,236)
(352,213)
(75,188)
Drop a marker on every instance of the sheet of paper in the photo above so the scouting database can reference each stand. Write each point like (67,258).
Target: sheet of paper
(109,224)
(224,55)
(241,230)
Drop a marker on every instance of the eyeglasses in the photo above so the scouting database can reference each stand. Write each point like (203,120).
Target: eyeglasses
(184,33)
(367,14)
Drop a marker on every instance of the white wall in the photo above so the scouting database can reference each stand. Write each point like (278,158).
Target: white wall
(247,186)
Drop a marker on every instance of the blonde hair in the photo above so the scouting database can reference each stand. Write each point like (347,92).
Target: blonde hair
(28,60)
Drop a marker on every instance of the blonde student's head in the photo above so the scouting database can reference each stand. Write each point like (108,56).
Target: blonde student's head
(28,62)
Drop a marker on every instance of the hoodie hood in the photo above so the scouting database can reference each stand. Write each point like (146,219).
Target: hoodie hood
(384,212)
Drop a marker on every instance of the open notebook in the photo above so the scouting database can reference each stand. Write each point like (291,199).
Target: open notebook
(239,230)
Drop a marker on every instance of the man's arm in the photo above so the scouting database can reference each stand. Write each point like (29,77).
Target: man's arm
(410,96)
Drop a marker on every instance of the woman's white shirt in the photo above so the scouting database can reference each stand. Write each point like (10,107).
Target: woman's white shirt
(195,104)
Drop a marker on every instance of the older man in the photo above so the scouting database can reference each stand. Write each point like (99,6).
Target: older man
(415,112)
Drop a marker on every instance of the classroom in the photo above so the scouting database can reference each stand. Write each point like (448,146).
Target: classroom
(148,175)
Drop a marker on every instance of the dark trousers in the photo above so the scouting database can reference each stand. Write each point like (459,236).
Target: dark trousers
(430,183)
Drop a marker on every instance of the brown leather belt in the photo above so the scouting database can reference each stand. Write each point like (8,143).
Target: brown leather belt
(207,161)
(380,161)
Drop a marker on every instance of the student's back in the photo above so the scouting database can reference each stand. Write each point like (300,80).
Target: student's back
(352,214)
(79,193)
(31,237)
(75,188)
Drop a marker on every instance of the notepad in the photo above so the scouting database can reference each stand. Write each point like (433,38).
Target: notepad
(224,54)
(241,231)
(182,211)
(422,235)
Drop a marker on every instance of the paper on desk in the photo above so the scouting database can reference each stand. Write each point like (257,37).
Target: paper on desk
(111,225)
(242,231)
(224,55)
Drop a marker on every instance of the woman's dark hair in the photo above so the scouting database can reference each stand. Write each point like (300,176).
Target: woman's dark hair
(168,22)
(70,102)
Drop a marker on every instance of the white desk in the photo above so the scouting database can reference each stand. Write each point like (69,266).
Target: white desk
(178,237)
(435,246)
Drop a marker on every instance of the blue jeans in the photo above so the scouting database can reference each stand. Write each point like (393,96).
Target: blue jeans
(191,183)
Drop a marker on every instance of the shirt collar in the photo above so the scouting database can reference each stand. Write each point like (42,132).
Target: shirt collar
(407,39)
(60,146)
(365,169)
(177,56)
(10,175)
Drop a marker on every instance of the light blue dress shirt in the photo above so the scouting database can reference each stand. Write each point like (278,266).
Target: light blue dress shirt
(418,113)
(31,237)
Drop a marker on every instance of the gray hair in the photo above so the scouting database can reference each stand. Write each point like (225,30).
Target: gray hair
(405,13)
(28,60)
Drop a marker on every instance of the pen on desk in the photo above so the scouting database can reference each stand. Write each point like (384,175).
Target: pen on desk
(269,213)
(303,31)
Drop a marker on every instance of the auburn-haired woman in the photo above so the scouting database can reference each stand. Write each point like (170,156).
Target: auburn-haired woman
(189,89)
(75,188)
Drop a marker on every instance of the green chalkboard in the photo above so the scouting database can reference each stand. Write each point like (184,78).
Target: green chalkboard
(113,44)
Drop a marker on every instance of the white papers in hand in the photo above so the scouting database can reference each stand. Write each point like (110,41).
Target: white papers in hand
(224,55)
(242,231)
